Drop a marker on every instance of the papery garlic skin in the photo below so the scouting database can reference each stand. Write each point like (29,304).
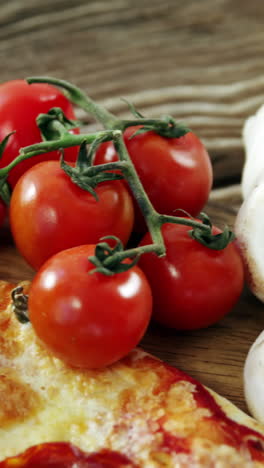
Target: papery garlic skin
(249,230)
(254,379)
(253,137)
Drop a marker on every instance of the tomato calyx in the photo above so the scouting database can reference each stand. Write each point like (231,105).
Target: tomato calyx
(166,126)
(207,238)
(84,174)
(109,260)
(54,124)
(56,137)
(87,176)
(20,304)
(5,191)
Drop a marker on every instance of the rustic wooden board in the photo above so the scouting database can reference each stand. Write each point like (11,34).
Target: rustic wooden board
(200,61)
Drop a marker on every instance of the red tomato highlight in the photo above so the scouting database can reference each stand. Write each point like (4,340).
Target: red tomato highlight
(175,172)
(192,286)
(88,320)
(20,104)
(49,213)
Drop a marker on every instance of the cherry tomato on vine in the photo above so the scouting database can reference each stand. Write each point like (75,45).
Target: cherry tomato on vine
(193,286)
(175,172)
(20,104)
(49,213)
(88,320)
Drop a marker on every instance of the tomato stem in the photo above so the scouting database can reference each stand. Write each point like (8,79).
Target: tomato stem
(185,221)
(202,231)
(109,121)
(66,141)
(132,253)
(150,214)
(59,128)
(153,219)
(80,99)
(166,127)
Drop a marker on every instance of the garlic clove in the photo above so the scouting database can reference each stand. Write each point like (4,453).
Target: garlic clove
(253,137)
(248,134)
(249,230)
(254,379)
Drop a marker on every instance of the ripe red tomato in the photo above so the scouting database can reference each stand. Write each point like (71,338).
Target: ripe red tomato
(193,286)
(88,320)
(49,213)
(2,212)
(175,172)
(20,104)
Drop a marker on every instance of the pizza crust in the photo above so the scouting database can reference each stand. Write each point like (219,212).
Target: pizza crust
(234,413)
(141,407)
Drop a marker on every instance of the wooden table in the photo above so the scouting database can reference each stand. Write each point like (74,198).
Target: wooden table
(201,62)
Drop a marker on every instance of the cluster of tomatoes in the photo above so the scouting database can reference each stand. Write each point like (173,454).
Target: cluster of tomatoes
(91,320)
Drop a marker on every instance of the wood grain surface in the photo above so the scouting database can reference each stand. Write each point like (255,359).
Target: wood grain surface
(200,61)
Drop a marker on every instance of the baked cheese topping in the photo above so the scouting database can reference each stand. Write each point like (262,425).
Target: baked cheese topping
(154,414)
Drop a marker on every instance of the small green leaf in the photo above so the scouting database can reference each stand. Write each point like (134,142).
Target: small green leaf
(102,270)
(205,219)
(102,251)
(106,176)
(82,159)
(133,110)
(213,241)
(93,148)
(95,261)
(4,143)
(64,166)
(48,131)
(106,258)
(5,191)
(169,119)
(172,129)
(181,210)
(118,246)
(144,129)
(122,267)
(85,183)
(99,268)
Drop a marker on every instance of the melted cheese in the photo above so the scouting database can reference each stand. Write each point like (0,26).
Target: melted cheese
(139,406)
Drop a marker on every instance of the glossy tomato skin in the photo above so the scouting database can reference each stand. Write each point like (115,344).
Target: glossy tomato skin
(49,213)
(88,320)
(20,104)
(175,172)
(193,286)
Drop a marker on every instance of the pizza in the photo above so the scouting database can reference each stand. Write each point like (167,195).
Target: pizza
(139,412)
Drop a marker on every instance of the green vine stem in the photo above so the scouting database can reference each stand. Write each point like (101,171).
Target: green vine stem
(77,97)
(201,231)
(67,140)
(148,211)
(166,127)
